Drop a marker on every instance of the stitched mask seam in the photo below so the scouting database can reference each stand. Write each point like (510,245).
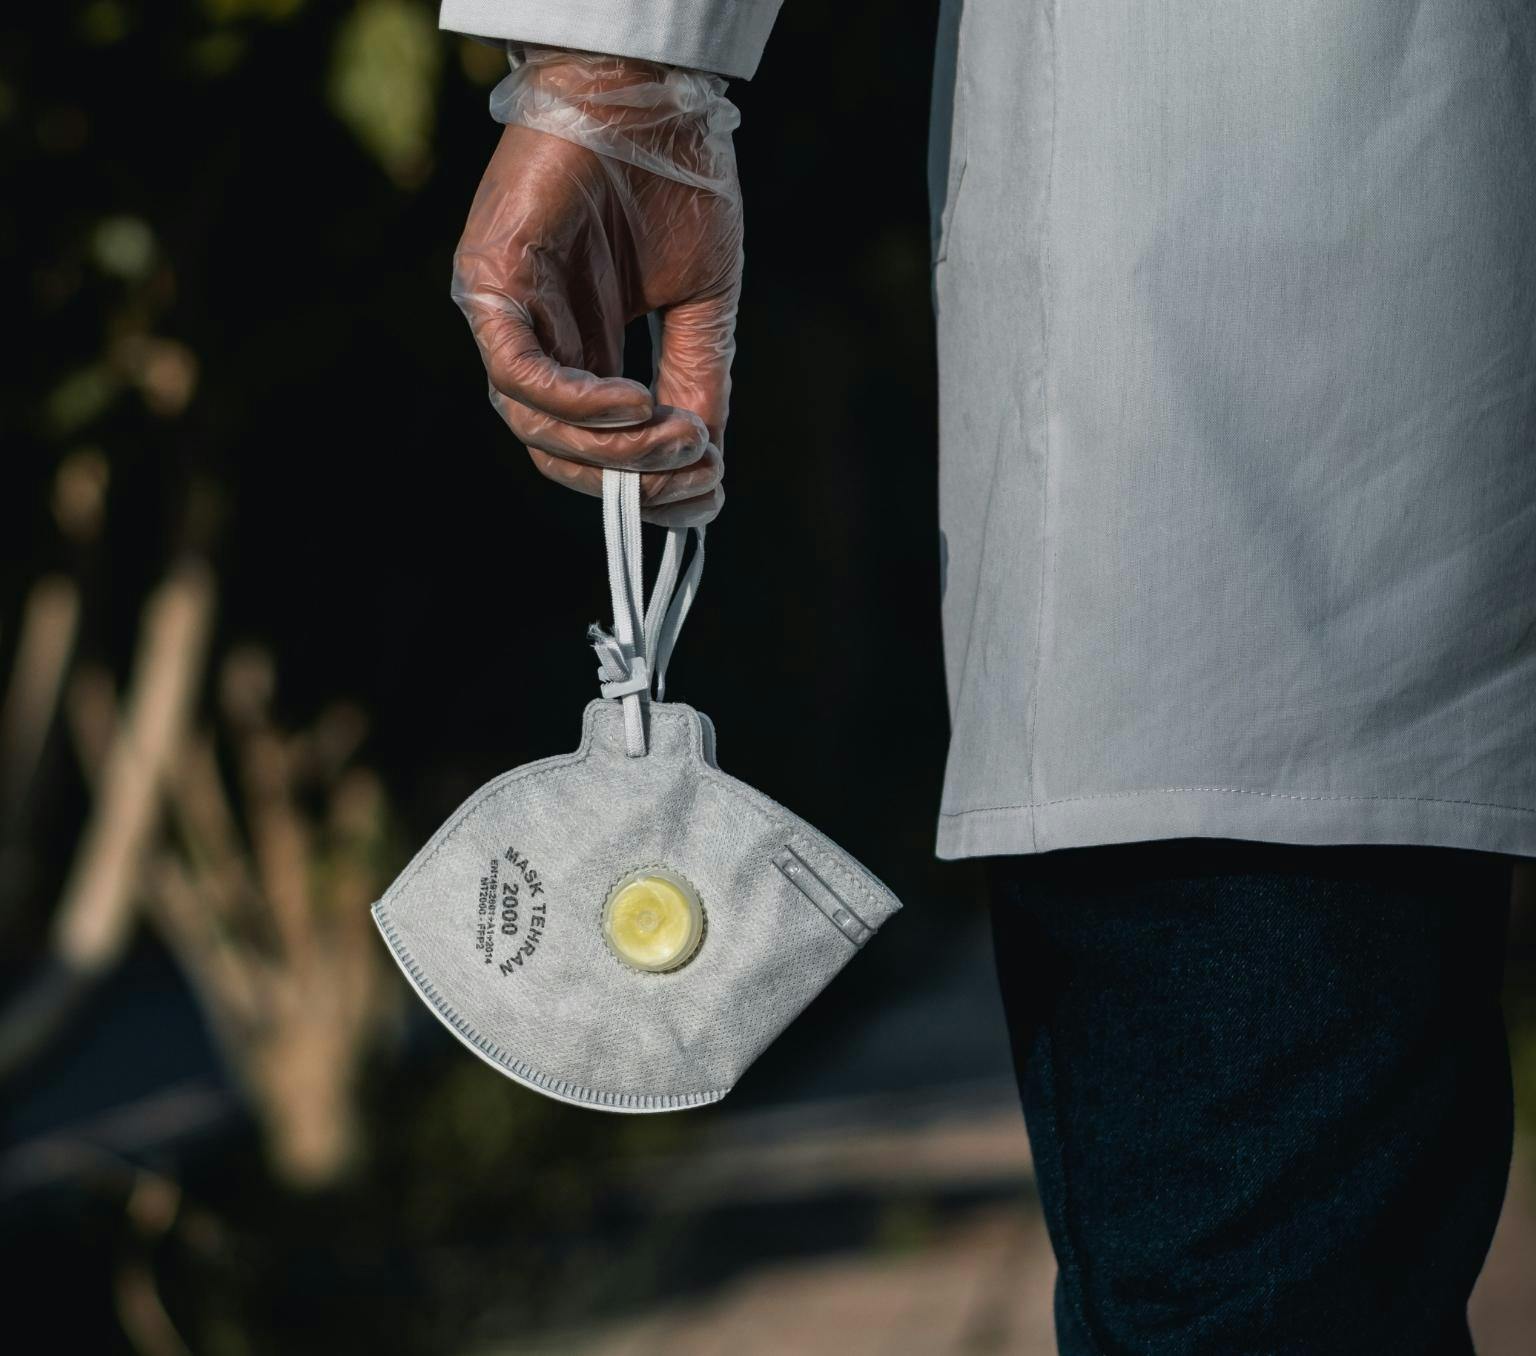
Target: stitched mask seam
(528,1073)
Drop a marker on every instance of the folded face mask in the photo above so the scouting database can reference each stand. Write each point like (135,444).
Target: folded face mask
(626,927)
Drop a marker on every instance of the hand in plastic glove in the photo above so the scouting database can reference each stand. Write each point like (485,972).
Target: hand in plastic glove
(611,194)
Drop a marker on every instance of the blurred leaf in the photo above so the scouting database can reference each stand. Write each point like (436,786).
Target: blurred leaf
(218,54)
(164,370)
(104,22)
(230,11)
(80,493)
(384,76)
(82,396)
(482,63)
(123,247)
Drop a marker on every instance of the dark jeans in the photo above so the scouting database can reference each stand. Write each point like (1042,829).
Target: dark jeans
(1267,1090)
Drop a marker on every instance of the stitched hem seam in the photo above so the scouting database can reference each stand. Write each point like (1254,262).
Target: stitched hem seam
(1236,791)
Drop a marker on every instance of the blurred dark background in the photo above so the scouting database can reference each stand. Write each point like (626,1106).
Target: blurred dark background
(269,549)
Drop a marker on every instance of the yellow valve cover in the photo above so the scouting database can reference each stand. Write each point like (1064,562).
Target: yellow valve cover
(653,919)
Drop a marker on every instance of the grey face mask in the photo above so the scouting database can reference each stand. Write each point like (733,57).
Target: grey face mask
(627,927)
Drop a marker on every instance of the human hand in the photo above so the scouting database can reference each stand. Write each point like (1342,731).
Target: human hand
(612,194)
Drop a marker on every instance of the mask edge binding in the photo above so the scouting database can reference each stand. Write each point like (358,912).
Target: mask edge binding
(504,1062)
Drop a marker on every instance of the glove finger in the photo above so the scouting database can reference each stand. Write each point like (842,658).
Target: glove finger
(682,498)
(536,230)
(519,367)
(669,439)
(694,364)
(687,482)
(695,512)
(658,489)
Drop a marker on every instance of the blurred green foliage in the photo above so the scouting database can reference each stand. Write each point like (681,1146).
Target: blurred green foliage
(227,234)
(116,116)
(383,84)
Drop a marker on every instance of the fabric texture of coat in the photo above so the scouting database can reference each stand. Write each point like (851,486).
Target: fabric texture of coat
(1236,313)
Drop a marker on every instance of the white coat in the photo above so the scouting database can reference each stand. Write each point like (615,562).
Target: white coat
(1236,312)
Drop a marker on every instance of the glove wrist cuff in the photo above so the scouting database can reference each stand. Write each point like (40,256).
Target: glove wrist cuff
(668,120)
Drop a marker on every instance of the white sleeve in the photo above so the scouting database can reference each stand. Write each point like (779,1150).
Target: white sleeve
(723,36)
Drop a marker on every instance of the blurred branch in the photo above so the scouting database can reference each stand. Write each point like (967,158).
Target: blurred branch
(94,919)
(280,838)
(275,939)
(275,936)
(152,1208)
(334,1003)
(49,622)
(95,915)
(48,637)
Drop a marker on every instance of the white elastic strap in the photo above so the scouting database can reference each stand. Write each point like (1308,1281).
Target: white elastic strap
(641,643)
(659,643)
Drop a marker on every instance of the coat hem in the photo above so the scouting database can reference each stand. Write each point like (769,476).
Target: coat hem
(1233,812)
(723,37)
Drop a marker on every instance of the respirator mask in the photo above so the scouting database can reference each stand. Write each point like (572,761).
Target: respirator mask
(627,927)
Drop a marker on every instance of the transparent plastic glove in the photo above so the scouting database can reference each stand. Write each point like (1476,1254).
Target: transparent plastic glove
(611,195)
